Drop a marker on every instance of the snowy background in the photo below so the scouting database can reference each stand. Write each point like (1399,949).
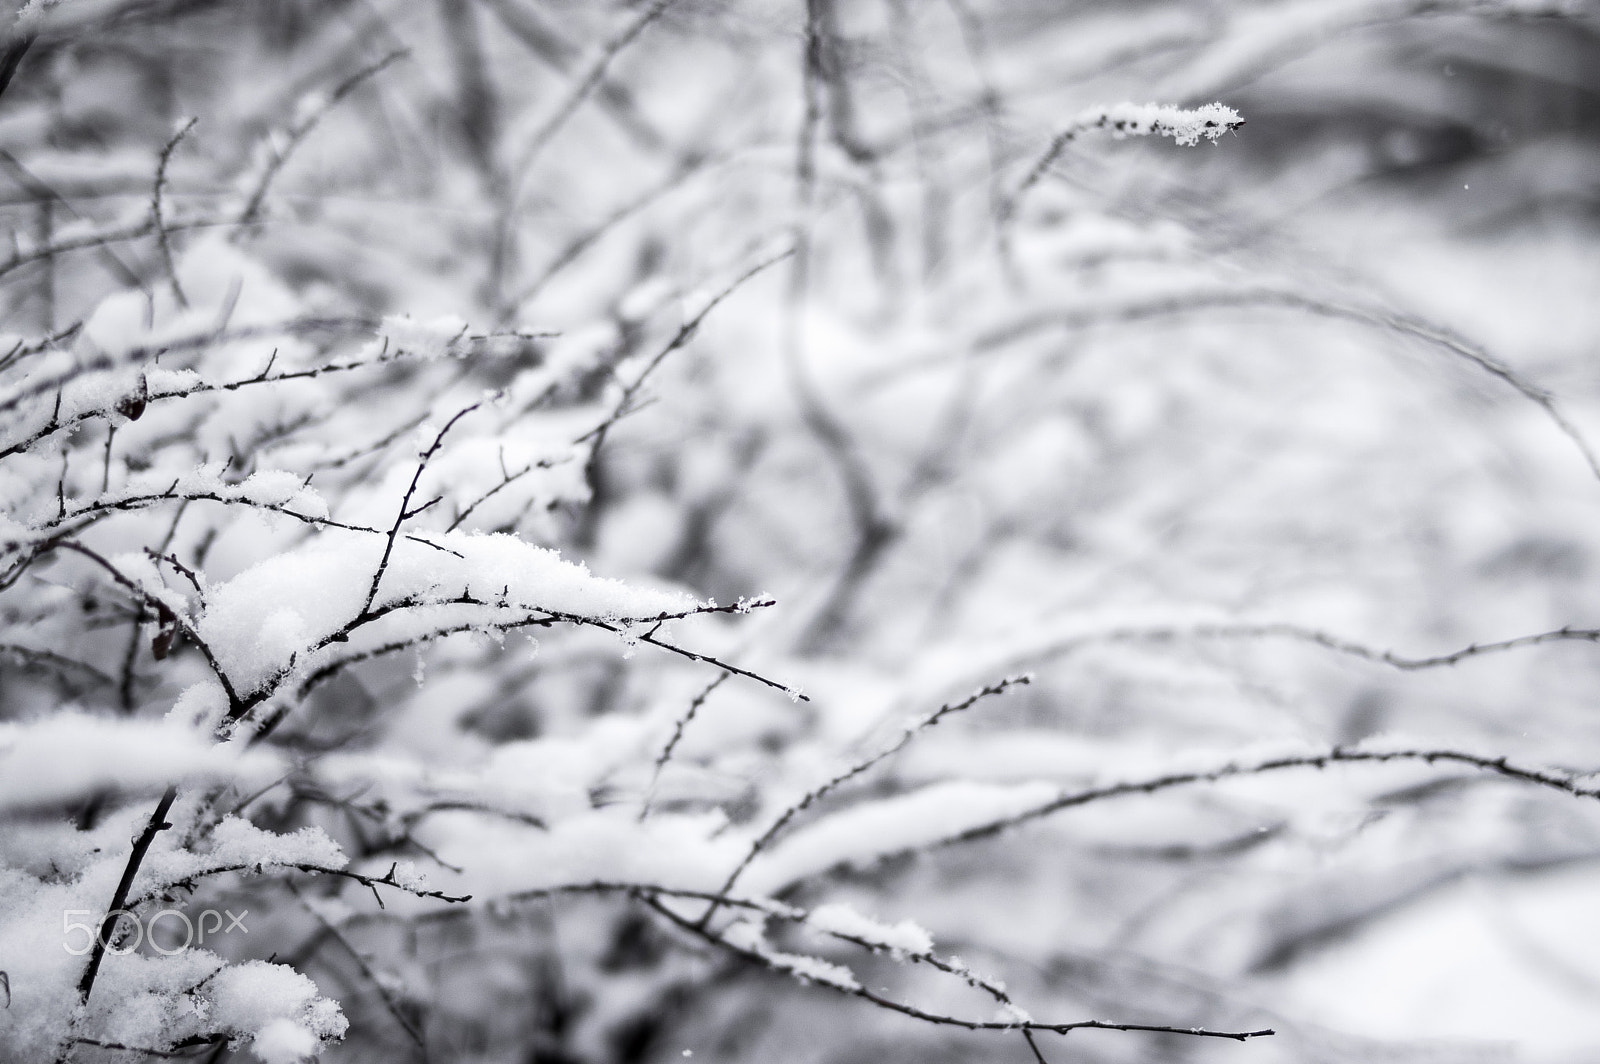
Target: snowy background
(833,530)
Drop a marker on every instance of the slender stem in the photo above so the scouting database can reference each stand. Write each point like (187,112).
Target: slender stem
(141,846)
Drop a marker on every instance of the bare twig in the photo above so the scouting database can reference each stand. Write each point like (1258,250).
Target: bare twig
(302,128)
(1051,649)
(596,436)
(50,659)
(41,189)
(672,742)
(148,600)
(874,529)
(816,794)
(11,57)
(159,222)
(688,165)
(405,512)
(1497,766)
(523,20)
(592,78)
(119,899)
(1246,297)
(390,1003)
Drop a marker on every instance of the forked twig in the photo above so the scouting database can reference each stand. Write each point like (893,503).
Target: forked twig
(816,794)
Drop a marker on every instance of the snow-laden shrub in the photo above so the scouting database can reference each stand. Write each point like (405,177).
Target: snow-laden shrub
(1090,501)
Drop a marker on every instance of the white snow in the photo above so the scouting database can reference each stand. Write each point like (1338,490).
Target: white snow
(901,938)
(71,755)
(431,339)
(1184,125)
(261,620)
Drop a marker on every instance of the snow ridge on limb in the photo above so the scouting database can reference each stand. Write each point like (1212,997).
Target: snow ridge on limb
(1184,126)
(746,936)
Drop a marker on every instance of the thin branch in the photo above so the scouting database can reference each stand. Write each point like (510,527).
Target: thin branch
(372,883)
(537,617)
(592,78)
(1499,766)
(41,189)
(816,794)
(50,659)
(405,511)
(1056,648)
(219,1040)
(873,527)
(196,341)
(1238,298)
(672,742)
(11,57)
(507,479)
(156,219)
(691,655)
(62,245)
(596,436)
(653,895)
(119,899)
(938,1019)
(1102,118)
(389,1002)
(149,600)
(302,128)
(687,166)
(526,25)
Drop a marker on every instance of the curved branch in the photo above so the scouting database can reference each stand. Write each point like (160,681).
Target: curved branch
(1499,766)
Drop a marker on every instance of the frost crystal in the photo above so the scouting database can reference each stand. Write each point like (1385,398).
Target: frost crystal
(1183,126)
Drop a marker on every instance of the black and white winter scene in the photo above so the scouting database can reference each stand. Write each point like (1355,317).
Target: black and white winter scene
(800,531)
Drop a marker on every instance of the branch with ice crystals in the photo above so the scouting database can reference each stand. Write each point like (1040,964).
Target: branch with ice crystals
(380,981)
(905,941)
(626,399)
(277,490)
(461,582)
(1138,120)
(1185,126)
(115,393)
(278,691)
(402,878)
(24,255)
(511,620)
(428,340)
(745,939)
